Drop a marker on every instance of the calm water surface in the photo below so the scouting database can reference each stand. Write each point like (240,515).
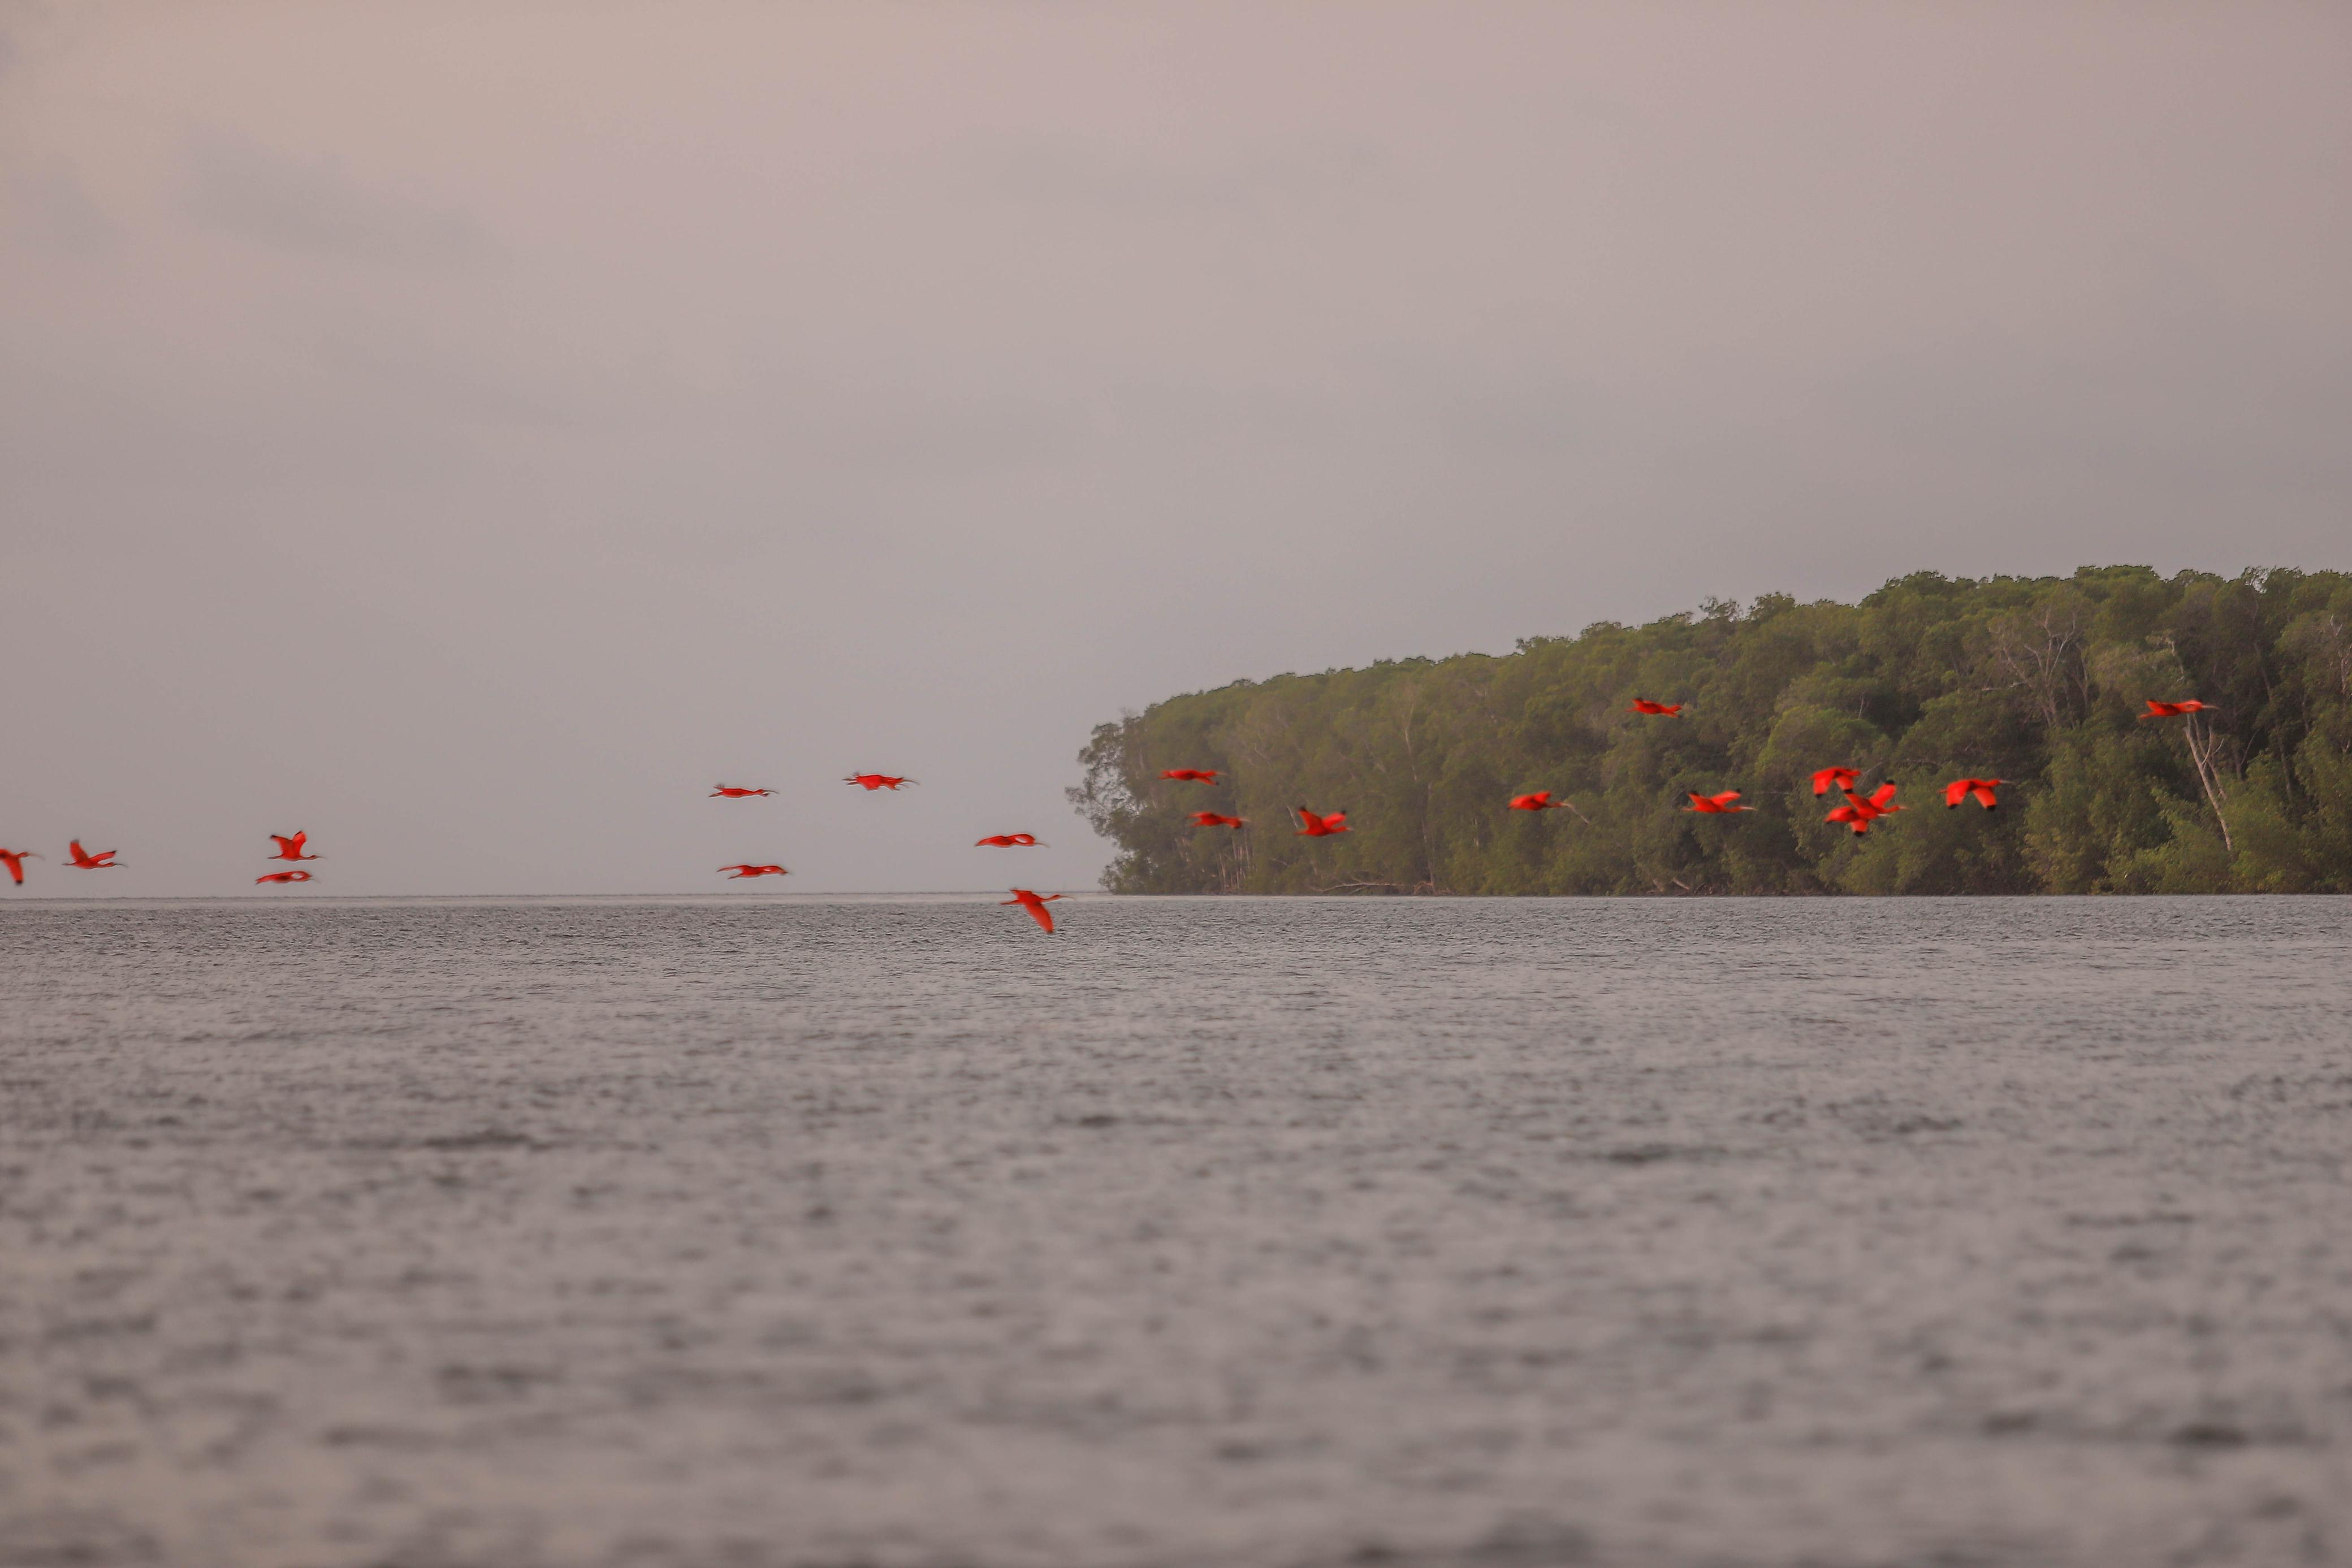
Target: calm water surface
(1283,1233)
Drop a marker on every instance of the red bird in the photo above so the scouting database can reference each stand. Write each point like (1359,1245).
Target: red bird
(1540,800)
(872,781)
(1010,841)
(2173,710)
(731,792)
(1320,827)
(284,876)
(14,860)
(1033,904)
(1860,813)
(1830,779)
(1959,790)
(1713,805)
(290,849)
(743,870)
(1202,775)
(102,861)
(1643,704)
(1211,819)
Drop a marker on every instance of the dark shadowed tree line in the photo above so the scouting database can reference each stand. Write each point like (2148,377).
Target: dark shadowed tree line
(2040,680)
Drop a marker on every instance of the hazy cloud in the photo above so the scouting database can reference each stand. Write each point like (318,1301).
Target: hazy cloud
(52,208)
(310,205)
(1257,184)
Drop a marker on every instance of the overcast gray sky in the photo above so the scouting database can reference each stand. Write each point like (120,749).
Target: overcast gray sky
(468,431)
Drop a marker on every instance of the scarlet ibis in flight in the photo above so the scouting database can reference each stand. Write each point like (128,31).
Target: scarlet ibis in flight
(1202,775)
(1959,790)
(1010,841)
(1830,779)
(1320,827)
(1211,819)
(733,792)
(1860,813)
(291,849)
(102,861)
(283,876)
(1643,704)
(743,870)
(14,860)
(1716,805)
(872,782)
(1540,800)
(1882,799)
(1033,904)
(2173,710)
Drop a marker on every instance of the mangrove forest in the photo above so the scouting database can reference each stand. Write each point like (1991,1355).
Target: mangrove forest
(2044,683)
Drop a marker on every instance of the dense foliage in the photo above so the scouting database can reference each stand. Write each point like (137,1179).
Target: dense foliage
(2038,681)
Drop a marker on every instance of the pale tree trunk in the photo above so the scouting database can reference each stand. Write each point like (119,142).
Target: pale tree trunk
(2042,656)
(2203,743)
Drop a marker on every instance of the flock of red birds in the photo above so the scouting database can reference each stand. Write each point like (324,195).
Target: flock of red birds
(871,782)
(1858,812)
(288,849)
